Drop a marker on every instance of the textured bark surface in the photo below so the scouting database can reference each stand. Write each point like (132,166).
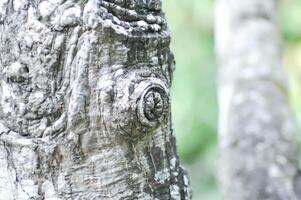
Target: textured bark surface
(84,101)
(257,143)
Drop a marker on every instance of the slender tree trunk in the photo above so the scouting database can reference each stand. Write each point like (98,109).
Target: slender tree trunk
(257,143)
(84,101)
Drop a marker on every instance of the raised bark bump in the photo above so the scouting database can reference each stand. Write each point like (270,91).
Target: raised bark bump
(153,103)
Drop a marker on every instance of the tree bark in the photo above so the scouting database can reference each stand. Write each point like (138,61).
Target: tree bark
(257,143)
(84,101)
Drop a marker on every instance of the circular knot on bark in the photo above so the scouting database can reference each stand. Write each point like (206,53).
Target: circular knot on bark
(140,102)
(153,103)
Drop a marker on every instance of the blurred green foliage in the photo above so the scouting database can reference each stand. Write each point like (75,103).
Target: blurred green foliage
(194,105)
(290,19)
(194,101)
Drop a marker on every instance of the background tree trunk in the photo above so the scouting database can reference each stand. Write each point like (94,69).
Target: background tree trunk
(84,101)
(257,145)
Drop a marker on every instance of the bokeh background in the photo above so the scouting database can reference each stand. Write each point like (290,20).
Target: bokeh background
(194,102)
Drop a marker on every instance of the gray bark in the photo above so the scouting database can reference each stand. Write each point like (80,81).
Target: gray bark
(258,152)
(84,101)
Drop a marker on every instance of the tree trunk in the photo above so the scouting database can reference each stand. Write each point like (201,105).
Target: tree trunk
(257,143)
(84,99)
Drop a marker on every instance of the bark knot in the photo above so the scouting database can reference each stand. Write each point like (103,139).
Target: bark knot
(141,102)
(153,105)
